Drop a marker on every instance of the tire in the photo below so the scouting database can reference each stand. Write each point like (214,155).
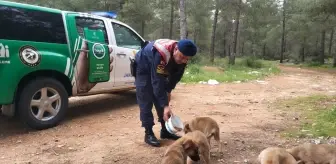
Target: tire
(30,115)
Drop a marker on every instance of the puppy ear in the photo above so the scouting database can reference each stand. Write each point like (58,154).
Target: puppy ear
(299,162)
(186,127)
(290,151)
(189,144)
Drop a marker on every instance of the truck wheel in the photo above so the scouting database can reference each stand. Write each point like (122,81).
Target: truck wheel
(42,103)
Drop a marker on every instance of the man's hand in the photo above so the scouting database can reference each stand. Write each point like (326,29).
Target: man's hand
(82,75)
(167,113)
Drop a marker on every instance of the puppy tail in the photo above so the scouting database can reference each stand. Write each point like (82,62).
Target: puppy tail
(216,134)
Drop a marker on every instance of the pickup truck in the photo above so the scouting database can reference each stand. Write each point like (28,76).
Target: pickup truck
(48,55)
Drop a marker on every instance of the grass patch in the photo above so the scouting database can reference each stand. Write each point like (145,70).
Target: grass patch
(315,65)
(318,115)
(245,69)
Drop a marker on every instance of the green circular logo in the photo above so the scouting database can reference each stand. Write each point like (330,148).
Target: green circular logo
(98,50)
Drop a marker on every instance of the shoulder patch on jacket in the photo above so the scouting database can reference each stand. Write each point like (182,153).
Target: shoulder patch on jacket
(161,67)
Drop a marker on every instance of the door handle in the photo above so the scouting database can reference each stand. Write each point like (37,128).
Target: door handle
(82,50)
(121,55)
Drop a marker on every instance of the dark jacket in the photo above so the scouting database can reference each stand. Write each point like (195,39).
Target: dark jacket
(151,70)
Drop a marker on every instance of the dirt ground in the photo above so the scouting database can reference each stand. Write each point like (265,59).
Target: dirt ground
(106,128)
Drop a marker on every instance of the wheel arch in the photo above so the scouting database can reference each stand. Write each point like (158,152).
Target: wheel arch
(62,78)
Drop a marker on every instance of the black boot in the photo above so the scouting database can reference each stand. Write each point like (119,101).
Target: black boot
(150,138)
(166,135)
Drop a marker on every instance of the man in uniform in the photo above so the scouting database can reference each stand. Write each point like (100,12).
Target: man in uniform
(159,67)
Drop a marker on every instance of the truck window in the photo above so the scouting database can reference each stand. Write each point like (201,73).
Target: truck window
(125,37)
(31,25)
(91,23)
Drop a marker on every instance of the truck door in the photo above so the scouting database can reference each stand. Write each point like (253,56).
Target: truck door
(92,61)
(127,44)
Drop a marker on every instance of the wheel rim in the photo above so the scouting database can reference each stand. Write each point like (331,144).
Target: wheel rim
(45,104)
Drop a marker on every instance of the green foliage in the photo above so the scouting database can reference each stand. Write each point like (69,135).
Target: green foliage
(194,69)
(252,62)
(244,70)
(132,16)
(325,124)
(260,27)
(314,64)
(195,59)
(325,6)
(318,115)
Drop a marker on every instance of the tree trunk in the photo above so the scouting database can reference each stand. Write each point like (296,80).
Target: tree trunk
(183,20)
(302,53)
(214,25)
(264,51)
(235,39)
(283,32)
(321,56)
(242,51)
(252,50)
(317,42)
(171,19)
(225,46)
(195,35)
(254,44)
(163,28)
(229,48)
(334,62)
(331,41)
(143,28)
(106,6)
(121,5)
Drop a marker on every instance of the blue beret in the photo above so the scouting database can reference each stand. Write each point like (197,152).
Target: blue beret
(187,47)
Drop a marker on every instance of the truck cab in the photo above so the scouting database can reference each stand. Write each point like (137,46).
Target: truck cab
(49,55)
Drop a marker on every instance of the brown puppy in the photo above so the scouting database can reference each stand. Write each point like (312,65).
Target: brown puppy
(206,125)
(203,147)
(275,155)
(178,152)
(314,153)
